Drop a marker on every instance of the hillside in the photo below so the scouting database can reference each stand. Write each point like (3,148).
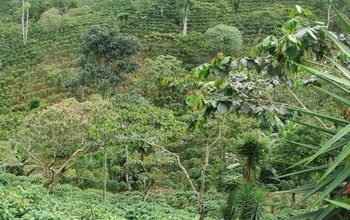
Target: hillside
(41,68)
(174,109)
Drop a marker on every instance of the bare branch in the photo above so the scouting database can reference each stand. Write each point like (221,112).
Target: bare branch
(30,154)
(72,157)
(329,16)
(321,65)
(296,97)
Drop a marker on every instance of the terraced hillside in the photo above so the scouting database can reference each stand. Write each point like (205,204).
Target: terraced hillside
(42,66)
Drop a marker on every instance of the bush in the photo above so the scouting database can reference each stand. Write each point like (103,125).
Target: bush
(51,20)
(33,202)
(115,186)
(34,103)
(223,39)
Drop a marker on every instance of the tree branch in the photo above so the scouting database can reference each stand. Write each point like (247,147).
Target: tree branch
(30,154)
(296,97)
(184,170)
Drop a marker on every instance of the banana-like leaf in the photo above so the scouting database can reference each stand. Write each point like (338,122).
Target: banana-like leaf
(325,212)
(330,209)
(301,189)
(341,157)
(333,153)
(319,187)
(335,96)
(339,179)
(340,204)
(313,169)
(340,16)
(344,71)
(318,73)
(341,46)
(342,88)
(330,151)
(325,130)
(309,215)
(344,131)
(335,120)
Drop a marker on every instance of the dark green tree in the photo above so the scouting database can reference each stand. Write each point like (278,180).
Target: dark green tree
(106,54)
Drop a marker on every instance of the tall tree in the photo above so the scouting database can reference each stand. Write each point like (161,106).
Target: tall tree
(56,136)
(185,6)
(25,19)
(106,55)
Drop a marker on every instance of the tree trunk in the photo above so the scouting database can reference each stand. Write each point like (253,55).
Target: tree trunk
(202,189)
(185,21)
(127,171)
(53,180)
(104,175)
(27,25)
(162,10)
(23,29)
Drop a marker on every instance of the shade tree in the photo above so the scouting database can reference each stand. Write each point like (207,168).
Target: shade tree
(223,39)
(184,7)
(106,54)
(56,136)
(51,20)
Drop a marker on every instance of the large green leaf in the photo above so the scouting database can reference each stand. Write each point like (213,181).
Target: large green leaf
(301,189)
(331,150)
(309,170)
(335,120)
(340,204)
(312,147)
(344,131)
(308,215)
(325,212)
(318,73)
(342,46)
(335,96)
(344,71)
(319,187)
(342,88)
(340,16)
(341,157)
(339,179)
(325,130)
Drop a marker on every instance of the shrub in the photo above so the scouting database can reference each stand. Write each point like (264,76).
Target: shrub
(34,103)
(223,39)
(51,20)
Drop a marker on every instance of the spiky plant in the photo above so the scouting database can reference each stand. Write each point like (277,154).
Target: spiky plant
(332,188)
(250,151)
(246,202)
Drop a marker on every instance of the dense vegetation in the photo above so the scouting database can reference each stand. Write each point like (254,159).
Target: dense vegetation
(174,109)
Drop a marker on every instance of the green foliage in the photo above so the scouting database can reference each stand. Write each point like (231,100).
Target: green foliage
(34,103)
(9,123)
(333,181)
(155,72)
(245,202)
(51,20)
(251,151)
(32,201)
(301,135)
(245,86)
(223,39)
(106,54)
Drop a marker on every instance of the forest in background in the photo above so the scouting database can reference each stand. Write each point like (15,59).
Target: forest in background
(174,109)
